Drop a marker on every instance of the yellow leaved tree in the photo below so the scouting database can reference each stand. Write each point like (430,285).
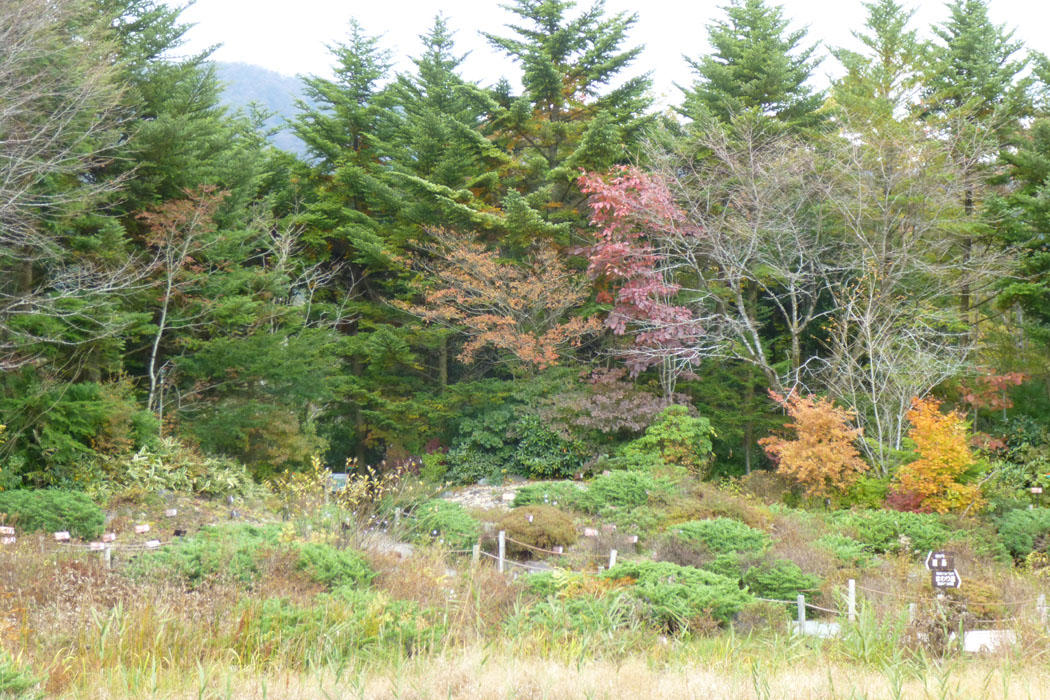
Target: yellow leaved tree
(944,458)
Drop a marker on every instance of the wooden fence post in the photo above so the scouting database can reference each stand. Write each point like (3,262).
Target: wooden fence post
(612,558)
(475,555)
(1040,607)
(502,549)
(108,554)
(851,600)
(801,613)
(912,608)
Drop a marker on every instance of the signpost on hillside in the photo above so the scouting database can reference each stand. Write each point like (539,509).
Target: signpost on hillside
(942,570)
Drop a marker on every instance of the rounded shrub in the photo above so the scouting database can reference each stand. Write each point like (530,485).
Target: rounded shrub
(1025,531)
(445,522)
(565,494)
(622,489)
(779,580)
(677,597)
(881,530)
(334,567)
(537,526)
(52,510)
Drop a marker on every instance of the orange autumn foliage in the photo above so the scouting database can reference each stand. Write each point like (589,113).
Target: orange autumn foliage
(521,308)
(822,457)
(944,457)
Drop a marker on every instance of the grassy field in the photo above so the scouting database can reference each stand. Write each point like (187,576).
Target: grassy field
(301,600)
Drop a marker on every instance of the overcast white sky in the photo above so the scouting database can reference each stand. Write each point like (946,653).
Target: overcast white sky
(290,36)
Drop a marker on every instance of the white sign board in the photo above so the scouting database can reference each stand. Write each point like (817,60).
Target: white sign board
(4,530)
(141,529)
(61,536)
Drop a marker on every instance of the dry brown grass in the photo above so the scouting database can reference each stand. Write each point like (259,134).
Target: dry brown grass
(481,673)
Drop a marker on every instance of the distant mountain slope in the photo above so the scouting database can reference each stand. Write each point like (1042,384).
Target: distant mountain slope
(277,93)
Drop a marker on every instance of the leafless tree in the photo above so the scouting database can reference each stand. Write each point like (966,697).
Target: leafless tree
(760,240)
(897,331)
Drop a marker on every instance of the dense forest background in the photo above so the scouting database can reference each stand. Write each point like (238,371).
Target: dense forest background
(487,281)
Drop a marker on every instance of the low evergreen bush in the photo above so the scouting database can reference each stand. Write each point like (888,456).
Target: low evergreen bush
(1025,531)
(722,536)
(444,522)
(334,567)
(677,597)
(881,530)
(52,510)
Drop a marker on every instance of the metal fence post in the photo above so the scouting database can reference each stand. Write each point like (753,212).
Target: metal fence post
(502,549)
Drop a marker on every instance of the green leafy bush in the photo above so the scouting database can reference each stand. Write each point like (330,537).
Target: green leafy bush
(723,535)
(52,510)
(445,522)
(537,526)
(1025,531)
(675,596)
(563,494)
(166,465)
(543,453)
(677,438)
(231,553)
(622,489)
(881,530)
(334,567)
(435,468)
(779,580)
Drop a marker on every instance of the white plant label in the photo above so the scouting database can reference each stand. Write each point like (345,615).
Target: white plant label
(590,532)
(7,540)
(141,529)
(153,544)
(109,537)
(96,546)
(171,512)
(61,536)
(4,530)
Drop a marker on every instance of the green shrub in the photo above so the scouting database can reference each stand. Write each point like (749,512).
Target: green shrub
(166,465)
(675,596)
(723,535)
(622,489)
(847,550)
(435,468)
(334,567)
(1025,531)
(560,494)
(543,453)
(548,527)
(603,615)
(678,438)
(881,530)
(339,627)
(866,492)
(779,580)
(53,511)
(445,522)
(760,616)
(217,553)
(16,682)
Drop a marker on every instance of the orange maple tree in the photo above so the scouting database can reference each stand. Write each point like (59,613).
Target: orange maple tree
(520,307)
(944,457)
(822,457)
